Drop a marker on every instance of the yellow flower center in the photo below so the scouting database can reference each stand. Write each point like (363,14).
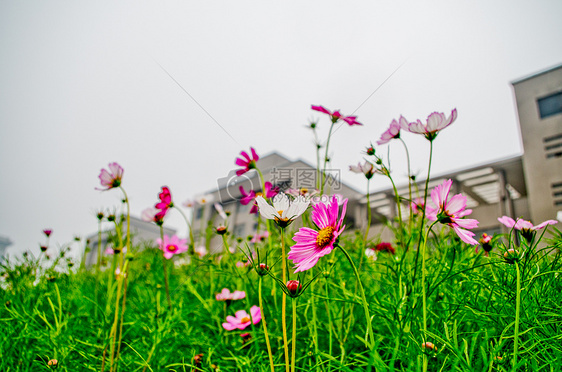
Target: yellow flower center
(172,248)
(304,190)
(203,201)
(245,319)
(325,236)
(259,194)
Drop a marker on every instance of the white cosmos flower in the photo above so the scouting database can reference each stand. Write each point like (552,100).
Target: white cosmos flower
(283,211)
(204,199)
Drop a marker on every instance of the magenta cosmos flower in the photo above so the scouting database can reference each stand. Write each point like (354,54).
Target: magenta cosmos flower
(112,178)
(336,115)
(451,211)
(172,246)
(393,130)
(242,319)
(165,200)
(246,162)
(435,122)
(227,295)
(250,197)
(312,244)
(526,227)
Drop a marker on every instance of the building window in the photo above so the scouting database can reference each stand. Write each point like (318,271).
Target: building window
(550,105)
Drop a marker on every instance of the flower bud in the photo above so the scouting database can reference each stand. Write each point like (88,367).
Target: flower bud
(221,230)
(511,256)
(429,346)
(52,363)
(262,269)
(43,248)
(294,287)
(370,150)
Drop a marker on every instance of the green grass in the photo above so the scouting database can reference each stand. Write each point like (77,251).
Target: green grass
(471,313)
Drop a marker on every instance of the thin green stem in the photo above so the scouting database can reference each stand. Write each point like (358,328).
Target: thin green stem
(330,327)
(326,159)
(424,299)
(294,342)
(191,239)
(263,322)
(411,220)
(517,311)
(371,336)
(399,206)
(368,213)
(284,301)
(165,270)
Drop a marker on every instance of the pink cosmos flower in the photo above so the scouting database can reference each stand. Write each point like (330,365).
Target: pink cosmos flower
(417,206)
(189,203)
(250,197)
(220,210)
(112,178)
(450,212)
(227,295)
(393,130)
(172,246)
(336,115)
(312,244)
(246,161)
(242,319)
(259,237)
(201,251)
(47,232)
(367,168)
(436,121)
(526,227)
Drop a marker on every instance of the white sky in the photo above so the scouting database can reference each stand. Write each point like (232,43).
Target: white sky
(81,86)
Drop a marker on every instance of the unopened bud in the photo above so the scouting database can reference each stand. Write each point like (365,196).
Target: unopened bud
(262,269)
(294,287)
(370,151)
(52,363)
(511,256)
(429,346)
(43,248)
(221,230)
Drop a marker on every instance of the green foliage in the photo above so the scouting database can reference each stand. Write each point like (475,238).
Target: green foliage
(471,311)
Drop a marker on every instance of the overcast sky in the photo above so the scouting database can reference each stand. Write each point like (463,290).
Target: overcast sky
(83,84)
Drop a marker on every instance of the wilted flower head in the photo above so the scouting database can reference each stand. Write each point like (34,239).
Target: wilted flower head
(450,212)
(367,168)
(242,319)
(436,121)
(313,244)
(227,295)
(283,212)
(153,215)
(172,245)
(112,178)
(393,130)
(336,115)
(246,162)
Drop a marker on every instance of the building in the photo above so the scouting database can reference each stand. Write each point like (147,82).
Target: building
(526,186)
(281,172)
(141,232)
(539,104)
(4,243)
